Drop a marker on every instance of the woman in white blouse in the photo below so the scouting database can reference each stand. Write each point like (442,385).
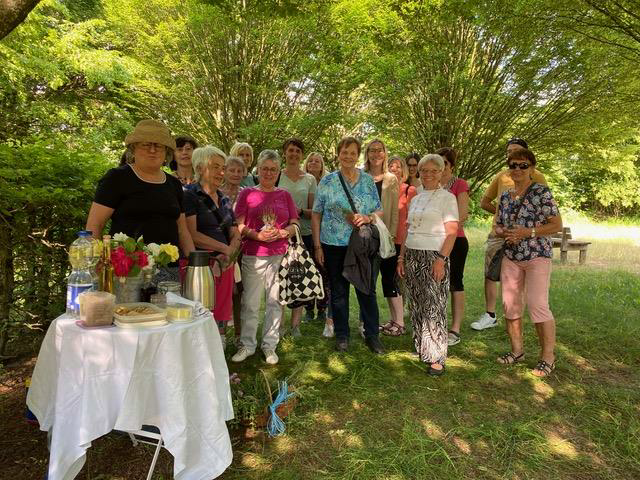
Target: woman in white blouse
(424,259)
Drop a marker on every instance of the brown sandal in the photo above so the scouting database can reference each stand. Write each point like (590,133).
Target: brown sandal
(543,368)
(386,326)
(510,358)
(394,330)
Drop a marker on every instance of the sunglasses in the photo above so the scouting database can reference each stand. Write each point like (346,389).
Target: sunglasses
(521,166)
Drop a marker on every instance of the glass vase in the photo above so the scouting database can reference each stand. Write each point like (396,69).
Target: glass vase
(127,289)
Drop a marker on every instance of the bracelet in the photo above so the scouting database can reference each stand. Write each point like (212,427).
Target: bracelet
(439,255)
(401,259)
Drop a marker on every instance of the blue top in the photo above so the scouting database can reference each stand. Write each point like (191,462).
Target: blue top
(332,202)
(539,205)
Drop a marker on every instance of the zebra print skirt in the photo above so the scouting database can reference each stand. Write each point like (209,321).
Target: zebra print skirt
(428,305)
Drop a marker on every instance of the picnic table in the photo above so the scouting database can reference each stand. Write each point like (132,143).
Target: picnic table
(565,243)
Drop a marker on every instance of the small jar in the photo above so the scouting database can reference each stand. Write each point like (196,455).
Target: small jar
(166,287)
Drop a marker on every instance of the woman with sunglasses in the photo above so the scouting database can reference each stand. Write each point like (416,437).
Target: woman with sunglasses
(527,214)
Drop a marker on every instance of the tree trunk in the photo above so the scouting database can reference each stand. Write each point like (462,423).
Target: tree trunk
(13,13)
(6,284)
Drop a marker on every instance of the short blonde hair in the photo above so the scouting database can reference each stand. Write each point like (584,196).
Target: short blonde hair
(367,166)
(306,163)
(201,157)
(403,166)
(238,147)
(434,158)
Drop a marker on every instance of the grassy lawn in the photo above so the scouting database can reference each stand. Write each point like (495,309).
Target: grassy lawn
(367,417)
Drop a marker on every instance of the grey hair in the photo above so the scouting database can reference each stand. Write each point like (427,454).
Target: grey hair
(131,159)
(268,155)
(233,160)
(434,158)
(201,157)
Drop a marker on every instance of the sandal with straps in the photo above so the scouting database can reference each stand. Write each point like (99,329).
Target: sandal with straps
(386,326)
(394,330)
(544,368)
(510,358)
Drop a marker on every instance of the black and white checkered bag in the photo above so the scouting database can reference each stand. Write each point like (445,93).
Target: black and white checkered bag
(298,276)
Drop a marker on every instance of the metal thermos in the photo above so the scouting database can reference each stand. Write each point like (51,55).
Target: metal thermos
(198,283)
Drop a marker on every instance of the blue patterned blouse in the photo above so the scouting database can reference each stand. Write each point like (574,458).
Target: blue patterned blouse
(539,205)
(332,203)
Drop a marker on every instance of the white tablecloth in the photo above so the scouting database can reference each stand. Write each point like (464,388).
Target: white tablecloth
(89,382)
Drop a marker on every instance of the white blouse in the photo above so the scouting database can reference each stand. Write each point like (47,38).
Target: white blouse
(428,212)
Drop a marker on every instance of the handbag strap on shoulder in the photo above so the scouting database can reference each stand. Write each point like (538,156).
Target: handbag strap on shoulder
(346,191)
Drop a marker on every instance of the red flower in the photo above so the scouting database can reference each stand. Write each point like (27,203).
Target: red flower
(121,262)
(141,259)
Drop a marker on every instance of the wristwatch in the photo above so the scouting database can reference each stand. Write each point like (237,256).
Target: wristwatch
(533,232)
(439,255)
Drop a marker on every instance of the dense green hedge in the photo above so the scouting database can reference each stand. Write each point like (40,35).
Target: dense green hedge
(45,193)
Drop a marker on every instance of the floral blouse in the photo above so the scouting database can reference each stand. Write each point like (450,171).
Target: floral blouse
(538,207)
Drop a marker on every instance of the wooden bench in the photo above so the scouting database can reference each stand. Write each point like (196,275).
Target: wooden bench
(564,242)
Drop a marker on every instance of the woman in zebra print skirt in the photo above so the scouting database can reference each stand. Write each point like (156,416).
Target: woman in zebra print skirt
(424,259)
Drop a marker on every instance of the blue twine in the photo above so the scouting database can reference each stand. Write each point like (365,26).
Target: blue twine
(275,425)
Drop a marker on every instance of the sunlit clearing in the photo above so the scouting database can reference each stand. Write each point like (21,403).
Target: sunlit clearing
(283,444)
(324,417)
(255,462)
(462,445)
(336,365)
(343,438)
(561,446)
(432,430)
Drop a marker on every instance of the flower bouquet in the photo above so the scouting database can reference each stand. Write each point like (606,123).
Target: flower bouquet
(129,257)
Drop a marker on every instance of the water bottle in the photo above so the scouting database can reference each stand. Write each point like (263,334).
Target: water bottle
(80,280)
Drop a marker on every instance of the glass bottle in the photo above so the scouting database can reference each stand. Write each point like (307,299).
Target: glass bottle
(107,267)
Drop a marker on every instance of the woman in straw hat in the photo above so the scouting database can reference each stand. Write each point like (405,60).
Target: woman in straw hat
(138,197)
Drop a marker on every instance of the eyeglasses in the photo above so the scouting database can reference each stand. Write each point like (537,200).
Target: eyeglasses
(521,166)
(424,171)
(269,170)
(149,145)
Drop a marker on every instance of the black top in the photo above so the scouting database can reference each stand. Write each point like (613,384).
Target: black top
(142,208)
(379,188)
(211,220)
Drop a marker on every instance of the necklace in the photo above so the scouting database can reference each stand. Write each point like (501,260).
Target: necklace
(417,214)
(164,177)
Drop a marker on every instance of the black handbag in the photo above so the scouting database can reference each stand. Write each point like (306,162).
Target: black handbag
(495,265)
(298,277)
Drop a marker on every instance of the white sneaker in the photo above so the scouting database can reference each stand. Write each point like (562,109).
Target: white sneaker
(454,338)
(485,321)
(241,355)
(328,331)
(270,356)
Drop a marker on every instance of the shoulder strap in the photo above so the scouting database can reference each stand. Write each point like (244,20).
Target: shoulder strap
(346,191)
(278,179)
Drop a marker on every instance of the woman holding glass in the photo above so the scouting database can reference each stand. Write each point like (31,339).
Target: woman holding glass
(332,223)
(424,260)
(266,218)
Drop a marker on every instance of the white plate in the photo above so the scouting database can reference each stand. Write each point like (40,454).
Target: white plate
(149,324)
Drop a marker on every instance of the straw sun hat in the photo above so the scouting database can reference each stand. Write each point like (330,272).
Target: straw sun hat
(151,131)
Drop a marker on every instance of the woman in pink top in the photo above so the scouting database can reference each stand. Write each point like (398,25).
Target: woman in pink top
(266,216)
(458,257)
(399,168)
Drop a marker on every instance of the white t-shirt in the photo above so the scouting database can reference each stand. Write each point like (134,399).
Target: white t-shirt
(300,191)
(428,212)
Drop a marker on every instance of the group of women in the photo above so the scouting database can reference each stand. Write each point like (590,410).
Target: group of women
(221,206)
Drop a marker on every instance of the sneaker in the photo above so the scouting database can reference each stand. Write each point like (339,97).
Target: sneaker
(328,331)
(295,332)
(308,317)
(270,356)
(454,338)
(241,355)
(485,321)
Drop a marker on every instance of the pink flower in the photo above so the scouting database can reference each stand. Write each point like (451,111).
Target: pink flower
(121,262)
(141,259)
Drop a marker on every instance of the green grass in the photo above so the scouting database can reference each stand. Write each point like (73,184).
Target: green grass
(367,417)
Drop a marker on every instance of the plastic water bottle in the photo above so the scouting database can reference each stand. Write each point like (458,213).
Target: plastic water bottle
(80,280)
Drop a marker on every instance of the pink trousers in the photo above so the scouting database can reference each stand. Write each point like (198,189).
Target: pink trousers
(528,279)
